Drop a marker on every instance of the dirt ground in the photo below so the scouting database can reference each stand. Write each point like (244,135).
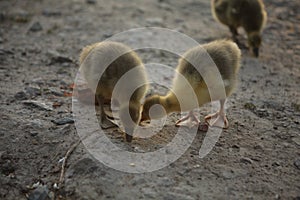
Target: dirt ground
(258,157)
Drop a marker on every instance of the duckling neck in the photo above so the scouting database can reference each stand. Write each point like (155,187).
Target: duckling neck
(170,103)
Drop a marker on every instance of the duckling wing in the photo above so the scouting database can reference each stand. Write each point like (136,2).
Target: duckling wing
(253,15)
(220,7)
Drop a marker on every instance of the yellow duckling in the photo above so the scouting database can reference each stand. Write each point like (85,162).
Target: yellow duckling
(249,14)
(114,60)
(226,56)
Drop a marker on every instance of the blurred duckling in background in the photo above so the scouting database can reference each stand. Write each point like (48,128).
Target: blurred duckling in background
(226,56)
(114,59)
(249,14)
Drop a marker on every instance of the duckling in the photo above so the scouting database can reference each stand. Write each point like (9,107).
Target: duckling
(249,14)
(113,60)
(226,55)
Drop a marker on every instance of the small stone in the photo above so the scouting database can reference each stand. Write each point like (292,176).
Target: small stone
(5,52)
(21,16)
(107,35)
(246,160)
(148,192)
(63,121)
(21,95)
(55,186)
(7,167)
(262,113)
(38,81)
(138,181)
(50,13)
(33,133)
(275,164)
(60,59)
(155,21)
(165,6)
(296,140)
(228,174)
(297,163)
(166,182)
(56,92)
(35,27)
(92,2)
(40,193)
(33,91)
(38,104)
(296,106)
(250,106)
(132,164)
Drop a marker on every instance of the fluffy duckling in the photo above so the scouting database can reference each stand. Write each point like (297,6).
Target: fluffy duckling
(226,55)
(249,14)
(114,59)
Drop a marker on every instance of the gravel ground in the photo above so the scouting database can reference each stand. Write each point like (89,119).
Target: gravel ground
(258,157)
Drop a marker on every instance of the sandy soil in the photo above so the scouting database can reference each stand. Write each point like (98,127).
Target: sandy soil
(258,157)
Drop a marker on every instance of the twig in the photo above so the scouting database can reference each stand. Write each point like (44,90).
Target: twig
(67,155)
(61,179)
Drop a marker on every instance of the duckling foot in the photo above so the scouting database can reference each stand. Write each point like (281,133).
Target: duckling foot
(217,120)
(106,124)
(189,120)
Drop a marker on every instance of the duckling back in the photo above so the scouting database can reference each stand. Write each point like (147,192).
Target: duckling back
(224,54)
(110,61)
(249,14)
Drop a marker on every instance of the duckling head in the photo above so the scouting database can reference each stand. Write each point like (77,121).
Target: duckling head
(254,41)
(130,117)
(152,108)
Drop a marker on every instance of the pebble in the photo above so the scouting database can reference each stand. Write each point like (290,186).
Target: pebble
(33,133)
(33,91)
(91,2)
(276,164)
(7,167)
(5,52)
(38,104)
(296,140)
(60,59)
(148,193)
(155,21)
(250,106)
(166,182)
(262,113)
(297,163)
(35,27)
(21,16)
(56,92)
(40,193)
(173,195)
(21,95)
(132,164)
(51,13)
(246,160)
(63,121)
(228,174)
(165,6)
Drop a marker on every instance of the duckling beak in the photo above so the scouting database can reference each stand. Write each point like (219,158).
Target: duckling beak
(256,52)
